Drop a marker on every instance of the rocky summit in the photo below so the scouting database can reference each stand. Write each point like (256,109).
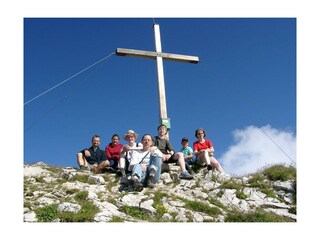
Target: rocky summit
(54,194)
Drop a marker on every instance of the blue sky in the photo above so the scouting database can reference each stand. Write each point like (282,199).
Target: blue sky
(246,78)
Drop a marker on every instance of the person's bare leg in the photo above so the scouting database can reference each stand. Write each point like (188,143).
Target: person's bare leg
(203,157)
(101,166)
(122,163)
(179,156)
(81,160)
(216,164)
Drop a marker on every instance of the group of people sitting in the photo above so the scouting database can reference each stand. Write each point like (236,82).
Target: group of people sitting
(145,161)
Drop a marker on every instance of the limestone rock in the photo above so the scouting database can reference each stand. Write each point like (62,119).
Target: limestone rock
(202,199)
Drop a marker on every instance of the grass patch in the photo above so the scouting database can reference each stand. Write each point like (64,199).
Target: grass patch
(160,210)
(261,183)
(54,169)
(110,182)
(81,197)
(116,219)
(293,210)
(280,172)
(47,214)
(39,179)
(258,216)
(71,191)
(27,204)
(50,213)
(201,207)
(86,214)
(217,203)
(234,185)
(135,212)
(80,178)
(158,196)
(257,181)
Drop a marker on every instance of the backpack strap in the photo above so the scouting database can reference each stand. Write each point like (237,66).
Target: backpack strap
(144,157)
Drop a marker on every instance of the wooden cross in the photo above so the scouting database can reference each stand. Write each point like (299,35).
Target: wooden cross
(159,55)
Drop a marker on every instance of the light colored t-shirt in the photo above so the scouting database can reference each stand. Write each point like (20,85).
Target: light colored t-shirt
(186,151)
(131,153)
(144,156)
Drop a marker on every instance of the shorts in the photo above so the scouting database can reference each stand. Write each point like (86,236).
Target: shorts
(91,163)
(113,163)
(190,161)
(171,160)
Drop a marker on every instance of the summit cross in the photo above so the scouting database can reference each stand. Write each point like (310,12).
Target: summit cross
(159,56)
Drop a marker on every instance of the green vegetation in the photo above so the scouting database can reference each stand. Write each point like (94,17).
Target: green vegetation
(233,185)
(258,216)
(158,204)
(109,182)
(140,214)
(80,178)
(135,212)
(277,172)
(116,219)
(86,214)
(293,210)
(47,214)
(51,213)
(201,207)
(54,169)
(81,196)
(280,172)
(217,203)
(71,191)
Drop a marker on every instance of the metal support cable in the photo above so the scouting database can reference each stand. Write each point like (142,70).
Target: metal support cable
(278,146)
(64,81)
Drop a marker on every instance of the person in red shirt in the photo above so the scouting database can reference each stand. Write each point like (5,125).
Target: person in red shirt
(203,149)
(113,151)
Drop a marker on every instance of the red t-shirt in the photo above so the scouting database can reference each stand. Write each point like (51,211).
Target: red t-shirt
(113,152)
(197,146)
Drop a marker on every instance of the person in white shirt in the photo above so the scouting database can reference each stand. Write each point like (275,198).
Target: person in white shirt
(146,165)
(127,152)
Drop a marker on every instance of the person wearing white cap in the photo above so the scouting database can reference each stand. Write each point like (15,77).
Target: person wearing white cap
(127,152)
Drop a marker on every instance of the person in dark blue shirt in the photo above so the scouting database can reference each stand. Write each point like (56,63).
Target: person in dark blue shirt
(93,158)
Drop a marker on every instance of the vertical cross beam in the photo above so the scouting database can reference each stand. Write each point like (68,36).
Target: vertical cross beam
(161,87)
(159,56)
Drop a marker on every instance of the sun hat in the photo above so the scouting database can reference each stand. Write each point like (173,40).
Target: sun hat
(130,132)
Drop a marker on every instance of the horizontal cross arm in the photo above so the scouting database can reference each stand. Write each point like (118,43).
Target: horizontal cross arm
(154,55)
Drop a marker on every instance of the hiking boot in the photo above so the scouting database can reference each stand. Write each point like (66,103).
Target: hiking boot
(189,169)
(185,175)
(130,180)
(191,172)
(209,167)
(150,182)
(137,185)
(124,180)
(120,172)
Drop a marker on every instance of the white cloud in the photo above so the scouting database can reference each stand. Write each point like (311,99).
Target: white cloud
(256,148)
